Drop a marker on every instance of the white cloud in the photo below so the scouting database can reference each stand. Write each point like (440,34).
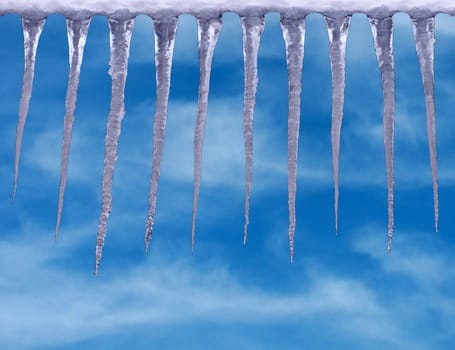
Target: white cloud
(44,304)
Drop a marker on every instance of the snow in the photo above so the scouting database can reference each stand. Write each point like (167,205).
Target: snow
(194,6)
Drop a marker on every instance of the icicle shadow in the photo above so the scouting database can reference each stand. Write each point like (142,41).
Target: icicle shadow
(120,37)
(294,37)
(32,29)
(423,29)
(77,31)
(165,30)
(382,33)
(252,29)
(338,31)
(209,28)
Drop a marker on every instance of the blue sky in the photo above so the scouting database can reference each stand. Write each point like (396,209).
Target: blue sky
(342,291)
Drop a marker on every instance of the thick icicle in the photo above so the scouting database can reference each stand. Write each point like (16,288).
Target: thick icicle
(77,36)
(338,32)
(165,31)
(424,39)
(294,38)
(120,37)
(32,29)
(382,34)
(252,27)
(209,29)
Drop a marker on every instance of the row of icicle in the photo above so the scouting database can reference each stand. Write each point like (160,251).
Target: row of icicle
(209,28)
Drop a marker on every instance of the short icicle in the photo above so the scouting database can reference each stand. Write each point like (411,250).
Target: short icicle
(424,38)
(209,29)
(382,33)
(32,29)
(294,37)
(252,28)
(77,36)
(338,31)
(165,30)
(120,37)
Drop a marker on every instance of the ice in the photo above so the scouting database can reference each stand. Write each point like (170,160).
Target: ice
(424,38)
(294,37)
(32,29)
(338,31)
(209,28)
(382,34)
(120,37)
(121,13)
(77,36)
(252,28)
(165,30)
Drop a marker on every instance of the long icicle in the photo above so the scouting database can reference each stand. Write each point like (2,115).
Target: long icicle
(165,31)
(77,31)
(382,33)
(120,37)
(338,31)
(209,29)
(32,29)
(294,38)
(424,38)
(252,28)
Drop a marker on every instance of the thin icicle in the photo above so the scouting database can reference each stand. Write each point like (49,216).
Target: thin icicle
(120,37)
(165,31)
(424,39)
(32,29)
(338,32)
(209,29)
(77,36)
(294,38)
(382,34)
(252,27)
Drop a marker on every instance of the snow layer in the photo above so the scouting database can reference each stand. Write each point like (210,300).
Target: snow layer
(153,7)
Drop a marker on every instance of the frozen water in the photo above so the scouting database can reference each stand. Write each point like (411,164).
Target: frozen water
(165,30)
(209,29)
(294,37)
(121,13)
(32,29)
(120,37)
(338,32)
(382,34)
(424,37)
(77,36)
(252,28)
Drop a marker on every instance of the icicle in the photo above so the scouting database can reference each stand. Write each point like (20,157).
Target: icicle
(165,31)
(382,34)
(208,32)
(32,29)
(120,37)
(294,38)
(77,36)
(424,38)
(252,27)
(338,32)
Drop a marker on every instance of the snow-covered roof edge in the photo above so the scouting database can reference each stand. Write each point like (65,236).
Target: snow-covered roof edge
(134,7)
